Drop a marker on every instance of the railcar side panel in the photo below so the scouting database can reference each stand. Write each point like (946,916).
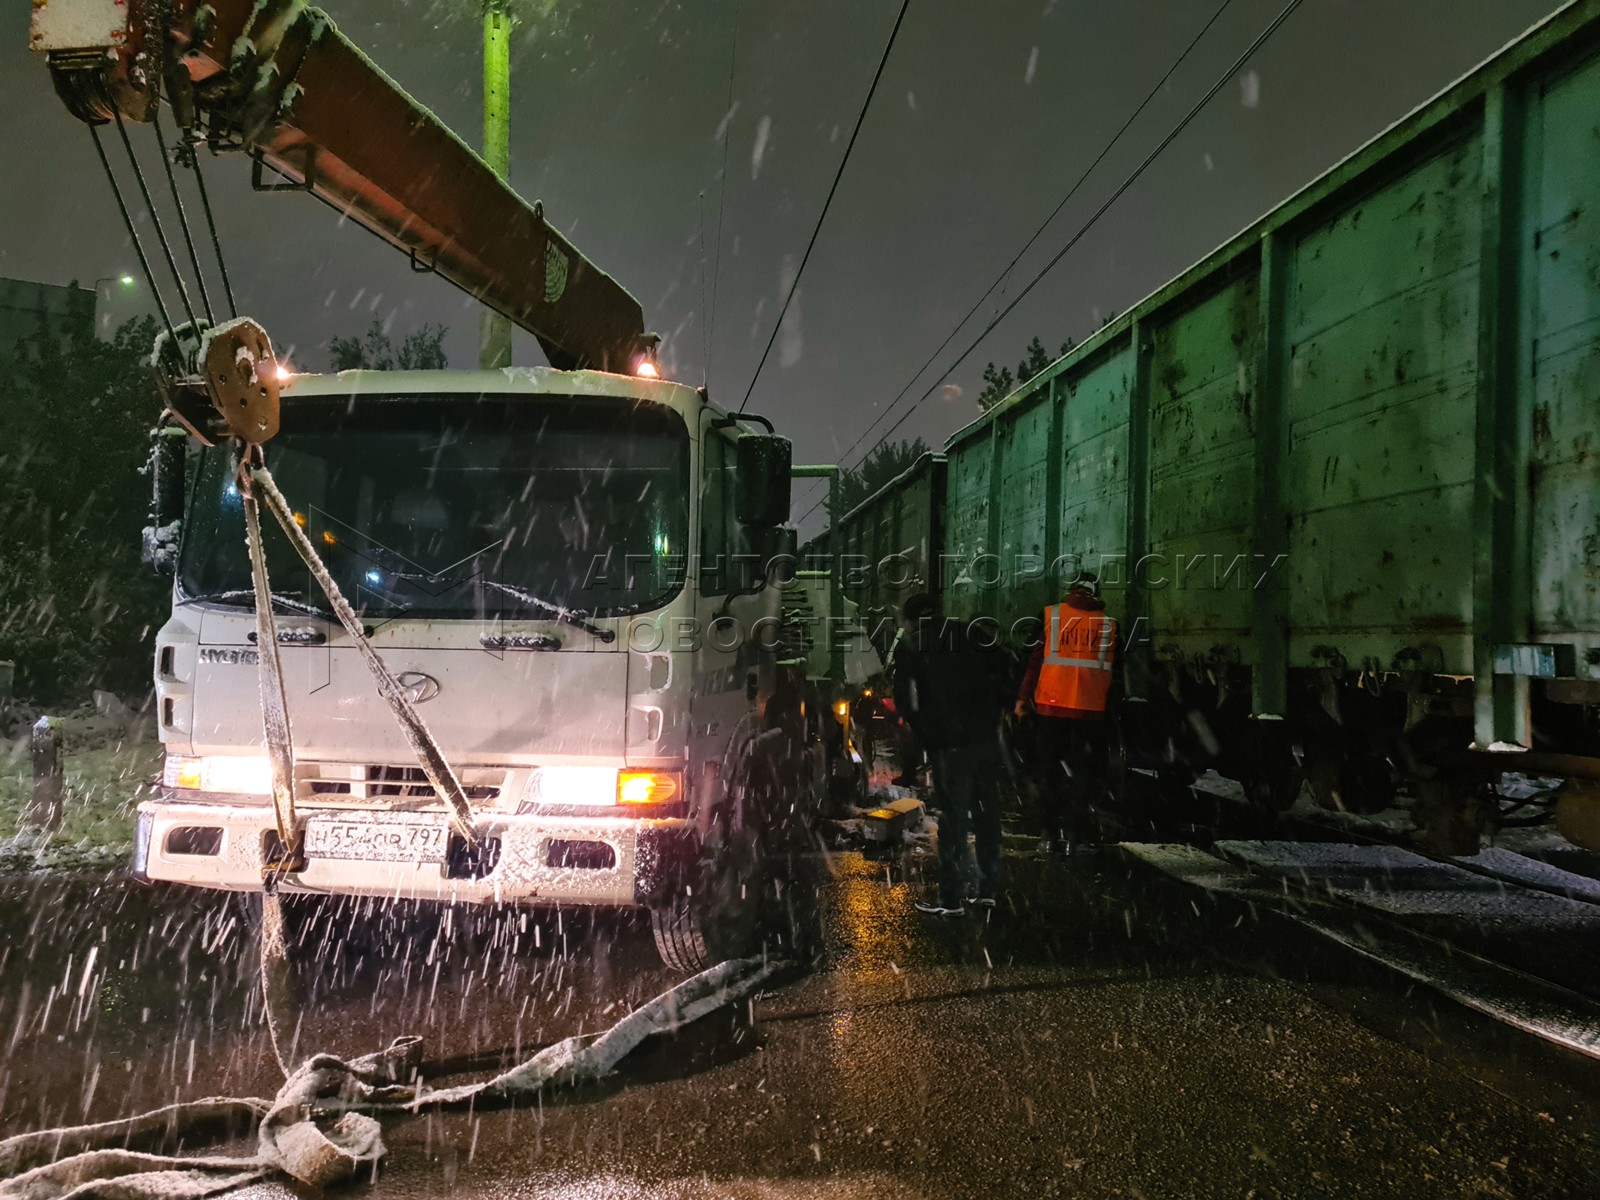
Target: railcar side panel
(1202,473)
(1380,404)
(1023,449)
(968,545)
(1564,245)
(1350,463)
(1094,482)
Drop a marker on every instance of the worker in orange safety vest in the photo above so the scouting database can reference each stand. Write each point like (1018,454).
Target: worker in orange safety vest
(1067,686)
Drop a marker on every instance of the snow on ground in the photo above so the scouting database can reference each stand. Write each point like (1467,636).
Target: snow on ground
(1397,881)
(1212,784)
(1387,823)
(1519,868)
(1527,1004)
(1198,867)
(1534,841)
(1530,1004)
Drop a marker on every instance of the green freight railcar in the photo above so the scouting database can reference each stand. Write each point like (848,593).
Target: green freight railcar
(1341,479)
(887,545)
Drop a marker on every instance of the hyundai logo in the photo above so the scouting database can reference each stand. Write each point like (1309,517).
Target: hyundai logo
(418,687)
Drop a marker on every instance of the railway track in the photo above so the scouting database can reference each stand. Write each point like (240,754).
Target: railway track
(1508,938)
(1504,933)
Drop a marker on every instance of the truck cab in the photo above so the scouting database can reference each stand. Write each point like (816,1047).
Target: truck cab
(571,573)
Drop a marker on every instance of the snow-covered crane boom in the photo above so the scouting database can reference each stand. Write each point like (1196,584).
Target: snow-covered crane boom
(276,79)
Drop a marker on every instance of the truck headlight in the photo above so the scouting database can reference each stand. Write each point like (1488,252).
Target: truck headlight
(585,786)
(598,787)
(246,775)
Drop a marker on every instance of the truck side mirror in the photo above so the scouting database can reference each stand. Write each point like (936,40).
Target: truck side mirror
(763,480)
(169,451)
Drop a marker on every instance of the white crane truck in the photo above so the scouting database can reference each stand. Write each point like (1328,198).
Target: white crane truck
(575,574)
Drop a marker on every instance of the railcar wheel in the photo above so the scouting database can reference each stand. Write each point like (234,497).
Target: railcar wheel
(1361,785)
(1272,784)
(1366,785)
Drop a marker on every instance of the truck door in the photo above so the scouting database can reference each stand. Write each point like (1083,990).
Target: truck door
(725,656)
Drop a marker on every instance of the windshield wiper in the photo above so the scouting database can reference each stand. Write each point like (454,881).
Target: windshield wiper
(278,601)
(566,615)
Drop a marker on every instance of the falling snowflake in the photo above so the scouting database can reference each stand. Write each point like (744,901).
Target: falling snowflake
(759,150)
(1250,89)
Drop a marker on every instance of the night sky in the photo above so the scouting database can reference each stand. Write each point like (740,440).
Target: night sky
(987,113)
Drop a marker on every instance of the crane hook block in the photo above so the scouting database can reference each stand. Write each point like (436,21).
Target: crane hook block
(241,376)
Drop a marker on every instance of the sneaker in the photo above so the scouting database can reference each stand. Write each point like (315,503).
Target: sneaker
(938,908)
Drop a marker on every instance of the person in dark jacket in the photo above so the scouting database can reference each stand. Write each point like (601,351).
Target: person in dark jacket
(950,686)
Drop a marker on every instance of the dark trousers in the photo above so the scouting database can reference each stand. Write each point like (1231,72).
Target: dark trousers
(1072,758)
(966,780)
(907,751)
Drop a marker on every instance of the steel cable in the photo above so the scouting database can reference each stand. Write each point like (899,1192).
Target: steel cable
(155,220)
(1054,213)
(133,234)
(822,216)
(211,224)
(1082,230)
(183,219)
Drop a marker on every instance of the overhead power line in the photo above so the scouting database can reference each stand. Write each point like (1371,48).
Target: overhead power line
(822,216)
(1054,213)
(1177,130)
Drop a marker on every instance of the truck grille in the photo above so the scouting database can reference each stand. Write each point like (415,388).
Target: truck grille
(359,783)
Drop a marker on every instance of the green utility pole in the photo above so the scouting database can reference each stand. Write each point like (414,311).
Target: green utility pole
(494,330)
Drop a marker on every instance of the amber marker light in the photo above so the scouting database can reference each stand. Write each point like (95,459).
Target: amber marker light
(646,787)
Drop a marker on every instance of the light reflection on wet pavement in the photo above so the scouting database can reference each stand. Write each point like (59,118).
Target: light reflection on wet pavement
(1087,1038)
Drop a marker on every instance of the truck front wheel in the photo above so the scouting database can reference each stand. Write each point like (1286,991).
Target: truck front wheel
(716,915)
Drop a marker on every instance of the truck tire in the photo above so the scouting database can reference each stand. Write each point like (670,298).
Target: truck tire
(718,916)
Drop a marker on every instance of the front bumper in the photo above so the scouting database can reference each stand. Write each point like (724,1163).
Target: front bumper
(567,860)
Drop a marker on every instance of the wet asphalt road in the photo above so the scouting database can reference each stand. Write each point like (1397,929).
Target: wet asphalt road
(1098,1036)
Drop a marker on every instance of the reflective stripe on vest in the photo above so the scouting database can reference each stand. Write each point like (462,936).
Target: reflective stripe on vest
(1076,672)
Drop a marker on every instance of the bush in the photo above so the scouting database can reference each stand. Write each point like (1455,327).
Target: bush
(78,610)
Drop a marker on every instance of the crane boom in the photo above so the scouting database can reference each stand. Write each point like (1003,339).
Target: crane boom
(276,79)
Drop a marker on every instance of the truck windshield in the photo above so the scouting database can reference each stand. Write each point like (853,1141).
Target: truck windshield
(459,506)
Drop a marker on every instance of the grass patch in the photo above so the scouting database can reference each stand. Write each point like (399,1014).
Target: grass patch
(107,775)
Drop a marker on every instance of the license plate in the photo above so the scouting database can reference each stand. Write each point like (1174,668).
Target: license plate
(373,841)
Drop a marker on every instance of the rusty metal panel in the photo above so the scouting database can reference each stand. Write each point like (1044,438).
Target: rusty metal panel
(1564,243)
(78,24)
(1091,515)
(966,525)
(921,502)
(1437,284)
(1094,478)
(888,540)
(1202,472)
(1380,404)
(1024,485)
